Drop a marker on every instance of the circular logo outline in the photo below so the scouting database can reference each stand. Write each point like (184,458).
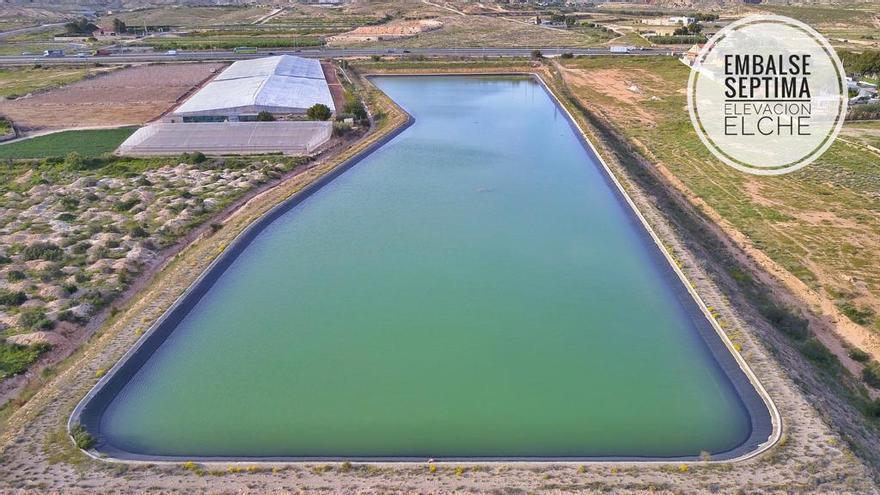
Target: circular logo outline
(805,160)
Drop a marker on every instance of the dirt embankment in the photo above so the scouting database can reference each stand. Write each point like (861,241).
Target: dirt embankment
(390,31)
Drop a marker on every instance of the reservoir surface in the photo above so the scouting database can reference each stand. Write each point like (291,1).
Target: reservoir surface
(474,288)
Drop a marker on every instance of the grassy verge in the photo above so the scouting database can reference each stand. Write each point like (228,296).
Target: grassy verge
(87,143)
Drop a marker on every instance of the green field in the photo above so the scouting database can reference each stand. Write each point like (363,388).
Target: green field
(88,143)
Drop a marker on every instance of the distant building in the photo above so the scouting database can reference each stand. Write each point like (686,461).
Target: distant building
(669,21)
(281,85)
(684,21)
(691,55)
(104,30)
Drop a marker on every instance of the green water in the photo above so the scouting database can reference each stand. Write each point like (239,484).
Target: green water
(473,288)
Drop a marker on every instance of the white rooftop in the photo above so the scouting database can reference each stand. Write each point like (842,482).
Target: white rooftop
(288,137)
(275,84)
(282,65)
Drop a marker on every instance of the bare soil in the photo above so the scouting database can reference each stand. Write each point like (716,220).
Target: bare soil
(131,96)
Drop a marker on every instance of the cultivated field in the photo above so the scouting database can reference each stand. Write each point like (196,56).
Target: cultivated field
(87,143)
(482,31)
(184,16)
(16,82)
(130,96)
(858,23)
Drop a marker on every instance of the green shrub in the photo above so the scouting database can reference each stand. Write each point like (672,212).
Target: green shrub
(15,359)
(355,107)
(677,40)
(138,231)
(34,319)
(265,116)
(817,352)
(859,355)
(42,251)
(861,316)
(787,322)
(124,206)
(15,275)
(10,298)
(567,55)
(319,111)
(68,203)
(871,374)
(74,161)
(81,437)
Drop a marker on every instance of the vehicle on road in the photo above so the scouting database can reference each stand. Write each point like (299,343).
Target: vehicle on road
(244,49)
(171,52)
(53,53)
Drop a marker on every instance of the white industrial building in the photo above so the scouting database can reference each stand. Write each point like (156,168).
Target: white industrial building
(281,85)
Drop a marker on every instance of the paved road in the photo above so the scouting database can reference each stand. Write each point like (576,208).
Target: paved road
(317,53)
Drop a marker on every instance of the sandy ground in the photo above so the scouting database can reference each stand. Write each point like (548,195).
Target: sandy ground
(393,30)
(130,96)
(37,457)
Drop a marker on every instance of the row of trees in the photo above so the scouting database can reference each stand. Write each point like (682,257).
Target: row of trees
(83,26)
(353,106)
(691,29)
(866,63)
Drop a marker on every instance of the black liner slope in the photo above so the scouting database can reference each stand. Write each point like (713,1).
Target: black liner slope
(89,411)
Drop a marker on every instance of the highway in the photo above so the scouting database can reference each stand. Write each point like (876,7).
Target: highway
(126,58)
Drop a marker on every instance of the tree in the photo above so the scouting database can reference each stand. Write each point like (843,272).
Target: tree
(319,111)
(265,116)
(537,54)
(119,26)
(80,26)
(354,106)
(74,161)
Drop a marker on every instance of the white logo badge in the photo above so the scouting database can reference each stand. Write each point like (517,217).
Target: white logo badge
(767,95)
